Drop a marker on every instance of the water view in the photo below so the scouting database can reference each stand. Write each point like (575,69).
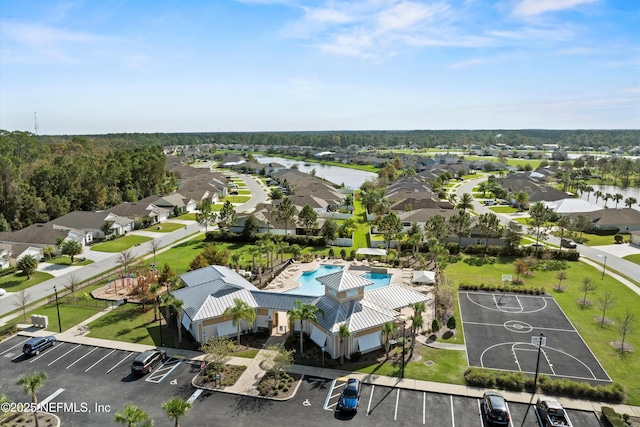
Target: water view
(351,178)
(309,284)
(613,189)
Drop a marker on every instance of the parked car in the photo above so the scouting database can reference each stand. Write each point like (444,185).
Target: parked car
(35,345)
(490,202)
(551,413)
(2,292)
(495,409)
(233,193)
(350,396)
(567,244)
(147,361)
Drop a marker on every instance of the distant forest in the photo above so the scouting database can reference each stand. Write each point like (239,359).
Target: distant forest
(45,178)
(576,139)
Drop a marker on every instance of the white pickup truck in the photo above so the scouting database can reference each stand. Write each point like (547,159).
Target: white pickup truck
(551,413)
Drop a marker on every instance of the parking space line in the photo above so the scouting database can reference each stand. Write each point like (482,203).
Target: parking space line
(373,388)
(17,345)
(79,345)
(424,407)
(509,412)
(395,415)
(326,400)
(101,359)
(49,398)
(480,413)
(116,365)
(46,352)
(453,420)
(171,363)
(79,359)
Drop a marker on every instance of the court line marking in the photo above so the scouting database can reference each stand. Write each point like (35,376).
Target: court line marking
(501,325)
(79,359)
(505,311)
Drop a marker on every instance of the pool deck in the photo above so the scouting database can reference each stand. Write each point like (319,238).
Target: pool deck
(287,279)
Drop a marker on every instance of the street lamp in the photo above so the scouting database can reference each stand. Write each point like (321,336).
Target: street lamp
(404,330)
(160,323)
(604,266)
(58,310)
(540,342)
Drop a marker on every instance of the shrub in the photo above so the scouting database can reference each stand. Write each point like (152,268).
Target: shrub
(618,238)
(612,418)
(355,356)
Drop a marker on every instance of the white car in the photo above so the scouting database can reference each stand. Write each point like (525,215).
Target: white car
(2,292)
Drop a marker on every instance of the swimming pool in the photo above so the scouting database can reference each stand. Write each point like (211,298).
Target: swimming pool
(309,285)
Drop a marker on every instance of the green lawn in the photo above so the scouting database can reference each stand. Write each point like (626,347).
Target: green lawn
(66,260)
(165,227)
(448,366)
(238,199)
(595,240)
(120,244)
(635,258)
(179,256)
(71,313)
(18,281)
(477,270)
(187,216)
(503,209)
(128,323)
(522,221)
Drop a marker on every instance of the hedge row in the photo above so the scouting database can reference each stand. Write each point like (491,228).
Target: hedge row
(517,381)
(613,418)
(8,330)
(510,288)
(7,271)
(229,237)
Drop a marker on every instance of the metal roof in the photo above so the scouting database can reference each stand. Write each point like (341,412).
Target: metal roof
(216,304)
(343,280)
(395,296)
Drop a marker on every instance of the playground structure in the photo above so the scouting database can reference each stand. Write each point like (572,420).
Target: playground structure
(133,287)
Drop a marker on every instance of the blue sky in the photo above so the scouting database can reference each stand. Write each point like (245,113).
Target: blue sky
(286,65)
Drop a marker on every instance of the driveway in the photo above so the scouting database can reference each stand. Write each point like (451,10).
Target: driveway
(619,251)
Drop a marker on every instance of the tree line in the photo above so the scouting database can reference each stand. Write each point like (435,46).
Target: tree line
(45,178)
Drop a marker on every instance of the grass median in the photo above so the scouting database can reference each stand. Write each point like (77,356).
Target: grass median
(120,244)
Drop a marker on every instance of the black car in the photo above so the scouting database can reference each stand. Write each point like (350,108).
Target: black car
(34,346)
(350,396)
(495,409)
(147,361)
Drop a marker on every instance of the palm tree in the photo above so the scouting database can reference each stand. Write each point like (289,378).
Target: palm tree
(31,383)
(235,260)
(343,333)
(630,201)
(241,311)
(176,408)
(388,329)
(617,197)
(417,322)
(302,312)
(177,305)
(490,225)
(466,202)
(522,200)
(598,194)
(131,415)
(588,189)
(460,224)
(607,197)
(483,187)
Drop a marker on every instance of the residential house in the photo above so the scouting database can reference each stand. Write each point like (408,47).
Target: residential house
(34,238)
(177,203)
(93,224)
(137,211)
(209,291)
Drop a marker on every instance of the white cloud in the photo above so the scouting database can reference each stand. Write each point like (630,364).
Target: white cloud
(536,7)
(469,63)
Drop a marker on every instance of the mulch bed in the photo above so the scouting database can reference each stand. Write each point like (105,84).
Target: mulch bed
(228,376)
(606,320)
(279,388)
(27,420)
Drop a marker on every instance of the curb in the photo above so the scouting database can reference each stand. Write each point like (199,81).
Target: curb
(257,396)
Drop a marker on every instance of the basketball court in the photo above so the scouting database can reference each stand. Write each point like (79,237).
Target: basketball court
(502,331)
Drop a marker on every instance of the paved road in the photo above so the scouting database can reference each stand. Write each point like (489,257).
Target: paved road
(45,289)
(258,193)
(621,265)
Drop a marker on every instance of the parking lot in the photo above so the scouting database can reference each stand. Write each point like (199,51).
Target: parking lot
(100,380)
